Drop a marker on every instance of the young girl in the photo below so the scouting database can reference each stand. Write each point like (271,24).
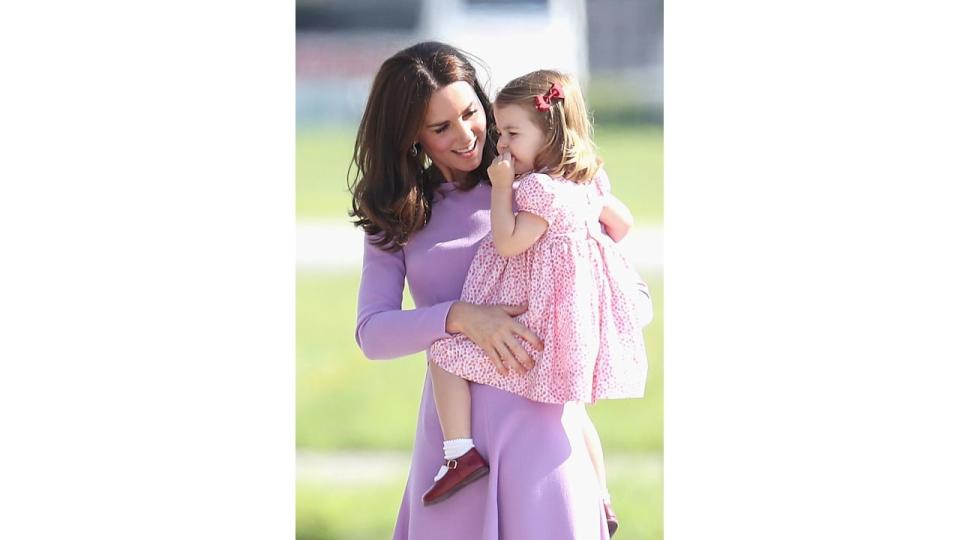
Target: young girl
(581,294)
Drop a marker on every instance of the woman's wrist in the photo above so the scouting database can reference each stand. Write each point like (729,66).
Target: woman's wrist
(454,318)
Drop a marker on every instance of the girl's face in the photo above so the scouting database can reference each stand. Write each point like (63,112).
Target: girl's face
(454,130)
(520,135)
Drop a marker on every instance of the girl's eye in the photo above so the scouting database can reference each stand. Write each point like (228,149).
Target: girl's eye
(441,130)
(512,134)
(470,113)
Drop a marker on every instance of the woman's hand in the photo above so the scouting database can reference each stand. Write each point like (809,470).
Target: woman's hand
(495,331)
(501,170)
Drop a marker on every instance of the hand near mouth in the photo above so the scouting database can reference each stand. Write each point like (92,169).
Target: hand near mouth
(501,170)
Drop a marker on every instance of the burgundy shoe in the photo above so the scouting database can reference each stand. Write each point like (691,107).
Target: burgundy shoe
(460,472)
(612,522)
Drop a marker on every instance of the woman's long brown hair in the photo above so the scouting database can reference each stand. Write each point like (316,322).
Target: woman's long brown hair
(393,188)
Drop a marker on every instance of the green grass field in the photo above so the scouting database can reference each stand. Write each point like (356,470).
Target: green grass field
(633,157)
(345,402)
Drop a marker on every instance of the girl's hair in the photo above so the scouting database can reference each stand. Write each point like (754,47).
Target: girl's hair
(393,188)
(569,150)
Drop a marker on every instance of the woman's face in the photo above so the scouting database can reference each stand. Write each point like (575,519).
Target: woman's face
(455,130)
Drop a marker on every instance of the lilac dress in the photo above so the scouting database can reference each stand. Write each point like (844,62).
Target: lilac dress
(541,485)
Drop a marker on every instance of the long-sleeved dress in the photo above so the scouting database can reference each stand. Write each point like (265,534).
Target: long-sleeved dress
(541,484)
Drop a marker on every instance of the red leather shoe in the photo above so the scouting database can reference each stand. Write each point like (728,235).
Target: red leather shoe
(612,522)
(460,472)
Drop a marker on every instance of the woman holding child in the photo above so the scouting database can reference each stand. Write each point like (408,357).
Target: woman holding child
(528,469)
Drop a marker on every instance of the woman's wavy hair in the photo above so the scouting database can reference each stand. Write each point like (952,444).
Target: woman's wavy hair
(393,187)
(569,150)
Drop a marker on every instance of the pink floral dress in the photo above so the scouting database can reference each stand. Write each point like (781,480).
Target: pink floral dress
(582,296)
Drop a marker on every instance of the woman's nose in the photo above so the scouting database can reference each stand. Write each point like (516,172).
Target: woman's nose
(465,133)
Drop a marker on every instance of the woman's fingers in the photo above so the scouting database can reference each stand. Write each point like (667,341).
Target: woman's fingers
(494,357)
(520,354)
(520,329)
(513,311)
(508,358)
(497,336)
(527,335)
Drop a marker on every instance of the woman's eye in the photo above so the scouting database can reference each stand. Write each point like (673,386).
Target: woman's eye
(470,113)
(441,130)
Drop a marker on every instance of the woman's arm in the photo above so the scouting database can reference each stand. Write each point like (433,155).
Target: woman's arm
(616,218)
(384,329)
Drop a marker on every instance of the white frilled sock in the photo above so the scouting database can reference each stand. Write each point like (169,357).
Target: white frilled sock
(452,450)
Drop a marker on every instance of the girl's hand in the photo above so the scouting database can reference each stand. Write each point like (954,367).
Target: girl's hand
(495,331)
(501,170)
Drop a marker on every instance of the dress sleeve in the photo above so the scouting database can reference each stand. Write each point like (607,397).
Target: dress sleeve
(384,329)
(602,181)
(536,194)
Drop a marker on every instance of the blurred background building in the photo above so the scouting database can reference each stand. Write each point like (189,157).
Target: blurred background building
(614,46)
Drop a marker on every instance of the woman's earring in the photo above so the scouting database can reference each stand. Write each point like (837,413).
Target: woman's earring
(413,150)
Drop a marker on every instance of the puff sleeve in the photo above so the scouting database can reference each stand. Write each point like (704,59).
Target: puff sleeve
(602,183)
(537,194)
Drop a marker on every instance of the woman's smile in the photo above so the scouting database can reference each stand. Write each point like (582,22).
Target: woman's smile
(469,151)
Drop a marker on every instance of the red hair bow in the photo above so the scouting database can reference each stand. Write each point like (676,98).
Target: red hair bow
(543,102)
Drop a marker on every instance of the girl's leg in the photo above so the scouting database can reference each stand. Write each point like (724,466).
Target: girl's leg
(592,440)
(452,395)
